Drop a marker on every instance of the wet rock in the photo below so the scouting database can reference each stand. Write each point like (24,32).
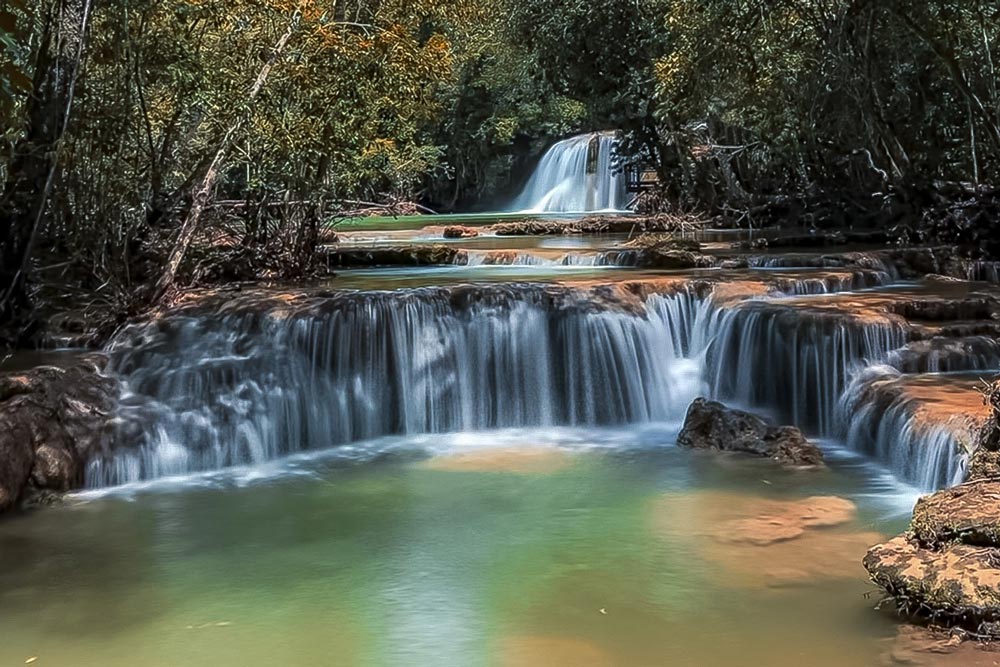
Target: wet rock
(657,250)
(712,425)
(409,255)
(52,421)
(943,310)
(660,241)
(986,459)
(672,260)
(594,225)
(460,232)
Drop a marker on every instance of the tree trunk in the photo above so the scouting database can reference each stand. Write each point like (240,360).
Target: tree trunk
(206,176)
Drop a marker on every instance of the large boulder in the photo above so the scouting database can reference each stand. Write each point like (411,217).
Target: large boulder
(712,425)
(958,584)
(53,420)
(969,513)
(947,568)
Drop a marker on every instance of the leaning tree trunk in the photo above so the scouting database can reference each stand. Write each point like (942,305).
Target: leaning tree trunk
(33,169)
(203,182)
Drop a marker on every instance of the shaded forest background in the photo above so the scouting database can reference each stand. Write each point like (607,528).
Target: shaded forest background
(135,130)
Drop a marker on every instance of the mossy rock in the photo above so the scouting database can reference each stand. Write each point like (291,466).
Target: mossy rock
(967,514)
(958,585)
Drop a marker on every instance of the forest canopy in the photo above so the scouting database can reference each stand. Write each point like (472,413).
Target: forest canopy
(128,125)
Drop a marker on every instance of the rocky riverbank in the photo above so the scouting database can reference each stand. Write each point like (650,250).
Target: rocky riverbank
(53,421)
(945,570)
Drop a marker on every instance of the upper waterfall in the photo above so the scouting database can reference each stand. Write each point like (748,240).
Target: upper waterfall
(575,176)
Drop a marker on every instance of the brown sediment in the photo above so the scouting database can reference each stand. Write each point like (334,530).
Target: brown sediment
(541,651)
(519,461)
(923,647)
(761,542)
(732,291)
(940,398)
(777,521)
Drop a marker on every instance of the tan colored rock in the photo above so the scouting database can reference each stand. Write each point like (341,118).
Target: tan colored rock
(960,583)
(460,232)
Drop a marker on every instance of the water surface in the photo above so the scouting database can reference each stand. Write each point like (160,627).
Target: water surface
(521,547)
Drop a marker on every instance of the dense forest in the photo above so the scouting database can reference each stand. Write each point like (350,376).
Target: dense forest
(136,130)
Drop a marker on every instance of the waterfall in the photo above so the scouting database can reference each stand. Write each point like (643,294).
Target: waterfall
(262,378)
(794,363)
(575,176)
(210,392)
(884,423)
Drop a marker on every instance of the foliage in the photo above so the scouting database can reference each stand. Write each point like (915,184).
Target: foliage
(15,83)
(741,105)
(851,94)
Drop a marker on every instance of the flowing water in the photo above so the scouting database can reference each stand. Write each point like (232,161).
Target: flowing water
(576,175)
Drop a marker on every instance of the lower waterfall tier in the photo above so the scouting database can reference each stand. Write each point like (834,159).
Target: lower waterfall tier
(253,380)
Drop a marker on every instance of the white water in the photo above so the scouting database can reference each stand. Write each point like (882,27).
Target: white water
(208,393)
(561,184)
(243,387)
(887,426)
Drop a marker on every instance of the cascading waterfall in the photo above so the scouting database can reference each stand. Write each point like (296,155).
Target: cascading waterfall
(206,393)
(885,424)
(619,258)
(793,363)
(947,355)
(576,175)
(250,384)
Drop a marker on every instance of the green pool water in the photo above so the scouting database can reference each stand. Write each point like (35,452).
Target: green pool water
(599,547)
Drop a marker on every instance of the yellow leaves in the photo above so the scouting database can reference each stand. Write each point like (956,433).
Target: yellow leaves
(672,73)
(438,44)
(379,146)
